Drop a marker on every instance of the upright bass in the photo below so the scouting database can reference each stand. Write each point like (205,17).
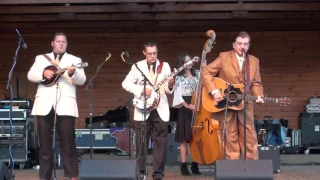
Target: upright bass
(205,145)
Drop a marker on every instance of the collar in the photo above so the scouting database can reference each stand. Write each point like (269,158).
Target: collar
(239,57)
(154,65)
(55,55)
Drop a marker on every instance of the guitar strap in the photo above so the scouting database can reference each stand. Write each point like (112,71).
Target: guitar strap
(159,69)
(50,60)
(247,74)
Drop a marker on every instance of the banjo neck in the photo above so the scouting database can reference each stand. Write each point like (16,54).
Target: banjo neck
(175,72)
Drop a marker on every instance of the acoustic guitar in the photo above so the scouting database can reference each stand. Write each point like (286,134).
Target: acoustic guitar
(58,72)
(233,95)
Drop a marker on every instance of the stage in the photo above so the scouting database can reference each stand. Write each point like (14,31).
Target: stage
(293,167)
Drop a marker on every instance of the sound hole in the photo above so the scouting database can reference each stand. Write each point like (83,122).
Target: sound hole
(233,96)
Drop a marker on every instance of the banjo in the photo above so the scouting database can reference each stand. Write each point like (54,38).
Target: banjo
(153,100)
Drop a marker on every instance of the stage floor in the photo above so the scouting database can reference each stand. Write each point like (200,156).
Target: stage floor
(294,167)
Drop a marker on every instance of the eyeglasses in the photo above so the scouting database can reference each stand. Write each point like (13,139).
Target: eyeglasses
(152,53)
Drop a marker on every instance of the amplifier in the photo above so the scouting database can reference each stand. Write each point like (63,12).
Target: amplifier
(313,108)
(19,154)
(101,139)
(17,114)
(314,100)
(23,104)
(271,153)
(310,128)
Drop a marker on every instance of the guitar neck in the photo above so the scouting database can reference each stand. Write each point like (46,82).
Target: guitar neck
(171,75)
(266,99)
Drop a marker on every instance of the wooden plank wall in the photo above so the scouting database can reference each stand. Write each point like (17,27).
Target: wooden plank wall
(290,65)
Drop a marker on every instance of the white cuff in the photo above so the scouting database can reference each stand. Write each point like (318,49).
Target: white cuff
(214,91)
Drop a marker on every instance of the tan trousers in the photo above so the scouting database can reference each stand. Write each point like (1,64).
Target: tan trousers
(235,139)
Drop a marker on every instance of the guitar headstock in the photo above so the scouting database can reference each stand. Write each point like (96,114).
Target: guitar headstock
(82,65)
(284,101)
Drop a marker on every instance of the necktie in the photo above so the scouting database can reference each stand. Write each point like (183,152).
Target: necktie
(57,61)
(151,73)
(240,62)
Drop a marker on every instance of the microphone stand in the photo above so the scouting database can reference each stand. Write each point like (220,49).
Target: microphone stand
(89,87)
(9,85)
(245,105)
(144,128)
(54,137)
(224,132)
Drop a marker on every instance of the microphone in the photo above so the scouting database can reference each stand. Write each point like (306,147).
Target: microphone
(126,53)
(24,45)
(243,52)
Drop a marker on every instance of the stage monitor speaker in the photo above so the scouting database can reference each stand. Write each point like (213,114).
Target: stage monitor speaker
(4,171)
(244,170)
(109,170)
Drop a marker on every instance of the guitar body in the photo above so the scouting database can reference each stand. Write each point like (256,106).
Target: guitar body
(57,72)
(235,97)
(55,77)
(151,102)
(233,94)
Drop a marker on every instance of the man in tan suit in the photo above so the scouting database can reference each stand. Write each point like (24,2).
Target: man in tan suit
(230,67)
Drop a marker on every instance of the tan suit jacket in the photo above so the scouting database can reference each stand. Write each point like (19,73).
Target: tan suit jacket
(226,67)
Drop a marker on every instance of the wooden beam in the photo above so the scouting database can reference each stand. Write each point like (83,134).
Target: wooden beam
(159,16)
(161,26)
(161,8)
(127,1)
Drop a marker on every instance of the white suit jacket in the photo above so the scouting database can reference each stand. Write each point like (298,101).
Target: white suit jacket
(132,84)
(65,92)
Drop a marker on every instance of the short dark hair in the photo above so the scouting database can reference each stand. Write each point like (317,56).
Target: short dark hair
(242,34)
(181,60)
(149,44)
(54,35)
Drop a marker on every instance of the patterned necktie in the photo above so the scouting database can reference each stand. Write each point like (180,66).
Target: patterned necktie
(151,73)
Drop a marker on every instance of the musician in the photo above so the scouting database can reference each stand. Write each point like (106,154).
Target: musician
(60,99)
(157,120)
(185,85)
(230,67)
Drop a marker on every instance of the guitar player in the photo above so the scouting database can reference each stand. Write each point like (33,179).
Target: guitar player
(157,120)
(59,98)
(230,67)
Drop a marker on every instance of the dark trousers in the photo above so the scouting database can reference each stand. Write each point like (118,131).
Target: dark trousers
(65,129)
(159,130)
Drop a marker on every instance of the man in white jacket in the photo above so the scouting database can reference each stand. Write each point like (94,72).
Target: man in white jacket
(157,120)
(59,99)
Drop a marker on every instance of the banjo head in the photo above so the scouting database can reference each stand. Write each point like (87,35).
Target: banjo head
(151,102)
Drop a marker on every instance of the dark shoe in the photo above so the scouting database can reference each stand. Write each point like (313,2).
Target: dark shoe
(195,168)
(184,169)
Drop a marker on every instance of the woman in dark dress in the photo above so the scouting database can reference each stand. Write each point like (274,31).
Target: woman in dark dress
(185,84)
